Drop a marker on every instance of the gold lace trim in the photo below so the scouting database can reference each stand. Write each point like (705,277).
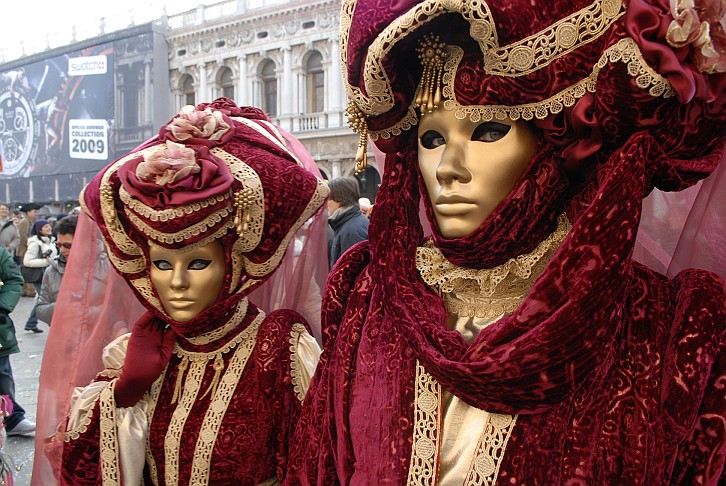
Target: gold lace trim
(171,213)
(248,240)
(172,440)
(264,268)
(144,287)
(491,292)
(218,333)
(180,236)
(300,389)
(108,440)
(137,265)
(218,406)
(153,400)
(625,51)
(423,469)
(562,37)
(109,373)
(82,428)
(519,58)
(108,210)
(490,450)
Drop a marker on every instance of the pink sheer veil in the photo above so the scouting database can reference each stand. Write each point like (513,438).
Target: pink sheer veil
(685,229)
(95,305)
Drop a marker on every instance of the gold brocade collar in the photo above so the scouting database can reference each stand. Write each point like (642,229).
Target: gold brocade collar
(223,331)
(487,293)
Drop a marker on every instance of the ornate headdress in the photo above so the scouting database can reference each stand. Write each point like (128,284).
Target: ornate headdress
(215,172)
(591,72)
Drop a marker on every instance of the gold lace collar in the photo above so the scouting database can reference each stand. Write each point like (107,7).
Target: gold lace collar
(487,293)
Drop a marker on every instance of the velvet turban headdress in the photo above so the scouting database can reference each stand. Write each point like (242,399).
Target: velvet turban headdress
(215,172)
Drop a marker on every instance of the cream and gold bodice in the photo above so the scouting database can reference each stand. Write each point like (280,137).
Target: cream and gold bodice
(455,443)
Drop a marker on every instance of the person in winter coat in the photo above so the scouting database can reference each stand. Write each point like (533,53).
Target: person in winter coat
(348,224)
(41,251)
(65,229)
(11,285)
(9,234)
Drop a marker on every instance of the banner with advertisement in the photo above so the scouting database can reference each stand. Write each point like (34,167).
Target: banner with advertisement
(57,115)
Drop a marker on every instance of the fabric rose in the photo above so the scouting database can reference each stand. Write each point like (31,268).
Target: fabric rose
(704,27)
(684,41)
(171,174)
(201,126)
(167,164)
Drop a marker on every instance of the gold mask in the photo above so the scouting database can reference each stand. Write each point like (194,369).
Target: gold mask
(470,167)
(187,281)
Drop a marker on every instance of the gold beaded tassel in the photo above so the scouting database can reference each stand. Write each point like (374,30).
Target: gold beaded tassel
(242,218)
(357,121)
(432,54)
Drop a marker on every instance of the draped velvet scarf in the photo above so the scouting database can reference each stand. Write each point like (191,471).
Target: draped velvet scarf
(380,319)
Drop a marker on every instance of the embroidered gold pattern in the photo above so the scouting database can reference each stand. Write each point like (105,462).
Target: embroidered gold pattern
(218,333)
(487,293)
(108,440)
(190,232)
(625,51)
(172,440)
(427,430)
(198,362)
(143,285)
(171,213)
(218,406)
(562,37)
(153,400)
(295,332)
(82,427)
(489,453)
(108,210)
(423,469)
(520,58)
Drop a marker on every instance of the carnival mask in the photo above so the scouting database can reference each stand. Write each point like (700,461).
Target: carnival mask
(187,282)
(470,167)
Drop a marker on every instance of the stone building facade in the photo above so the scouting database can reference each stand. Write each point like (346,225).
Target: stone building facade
(282,56)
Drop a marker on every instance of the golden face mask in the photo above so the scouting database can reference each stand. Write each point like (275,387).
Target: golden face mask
(187,282)
(470,167)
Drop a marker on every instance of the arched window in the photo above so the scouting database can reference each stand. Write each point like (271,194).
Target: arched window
(226,83)
(315,81)
(269,88)
(187,87)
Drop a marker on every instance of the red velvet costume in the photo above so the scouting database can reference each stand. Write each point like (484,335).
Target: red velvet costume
(213,399)
(605,372)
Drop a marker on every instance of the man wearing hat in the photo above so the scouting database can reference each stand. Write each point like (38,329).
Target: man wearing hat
(31,211)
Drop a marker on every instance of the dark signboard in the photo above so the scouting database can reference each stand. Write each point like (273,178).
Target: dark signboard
(57,115)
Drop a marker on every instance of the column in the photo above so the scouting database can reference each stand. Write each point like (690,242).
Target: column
(287,82)
(148,98)
(242,81)
(336,78)
(202,69)
(337,172)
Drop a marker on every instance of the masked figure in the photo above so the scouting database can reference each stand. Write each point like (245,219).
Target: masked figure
(521,343)
(208,386)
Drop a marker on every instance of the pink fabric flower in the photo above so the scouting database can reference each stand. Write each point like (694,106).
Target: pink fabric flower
(702,24)
(194,123)
(167,164)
